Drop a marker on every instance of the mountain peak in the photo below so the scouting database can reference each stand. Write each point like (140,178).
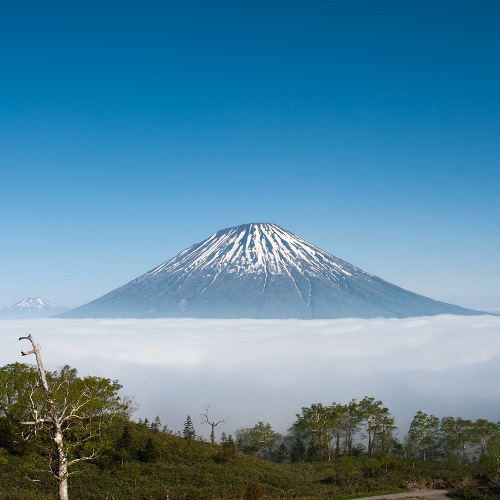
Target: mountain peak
(32,307)
(256,248)
(34,303)
(260,270)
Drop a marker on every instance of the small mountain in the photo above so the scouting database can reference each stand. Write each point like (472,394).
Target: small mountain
(260,270)
(30,307)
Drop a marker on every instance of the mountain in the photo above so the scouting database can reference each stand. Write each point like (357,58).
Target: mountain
(31,308)
(260,271)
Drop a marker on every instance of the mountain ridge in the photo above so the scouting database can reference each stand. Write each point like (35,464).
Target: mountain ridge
(260,270)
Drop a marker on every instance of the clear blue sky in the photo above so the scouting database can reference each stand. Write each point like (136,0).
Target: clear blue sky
(131,130)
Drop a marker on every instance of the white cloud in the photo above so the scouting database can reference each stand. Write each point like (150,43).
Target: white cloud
(268,369)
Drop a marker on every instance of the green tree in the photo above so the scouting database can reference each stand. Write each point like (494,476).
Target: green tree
(150,452)
(156,425)
(298,444)
(280,455)
(66,414)
(350,420)
(494,456)
(483,432)
(166,430)
(227,448)
(188,432)
(422,441)
(125,445)
(379,425)
(457,436)
(319,424)
(258,440)
(17,381)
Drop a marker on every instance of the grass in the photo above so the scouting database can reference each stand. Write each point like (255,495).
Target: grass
(184,469)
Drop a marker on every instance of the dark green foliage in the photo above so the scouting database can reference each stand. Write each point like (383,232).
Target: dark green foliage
(166,430)
(280,455)
(331,430)
(192,469)
(298,447)
(227,451)
(476,493)
(156,425)
(254,491)
(9,437)
(137,460)
(312,453)
(150,452)
(259,440)
(125,445)
(240,446)
(188,432)
(56,421)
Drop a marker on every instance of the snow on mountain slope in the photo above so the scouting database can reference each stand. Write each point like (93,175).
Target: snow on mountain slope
(260,270)
(265,249)
(30,307)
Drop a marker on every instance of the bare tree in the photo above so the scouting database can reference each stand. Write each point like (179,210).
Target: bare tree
(212,423)
(75,407)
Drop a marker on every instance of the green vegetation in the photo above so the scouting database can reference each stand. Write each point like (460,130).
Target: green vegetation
(139,462)
(331,451)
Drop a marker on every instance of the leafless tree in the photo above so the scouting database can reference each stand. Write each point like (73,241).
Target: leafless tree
(213,423)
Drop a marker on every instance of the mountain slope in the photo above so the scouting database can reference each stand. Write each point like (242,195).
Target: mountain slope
(260,271)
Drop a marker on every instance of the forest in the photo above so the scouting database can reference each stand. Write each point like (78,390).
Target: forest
(62,435)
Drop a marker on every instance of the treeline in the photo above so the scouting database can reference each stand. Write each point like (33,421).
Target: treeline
(365,428)
(351,447)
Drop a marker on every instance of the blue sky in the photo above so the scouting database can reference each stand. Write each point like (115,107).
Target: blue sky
(131,130)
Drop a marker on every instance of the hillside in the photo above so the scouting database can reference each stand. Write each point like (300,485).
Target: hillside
(175,468)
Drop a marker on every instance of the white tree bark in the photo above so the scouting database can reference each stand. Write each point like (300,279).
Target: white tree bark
(53,419)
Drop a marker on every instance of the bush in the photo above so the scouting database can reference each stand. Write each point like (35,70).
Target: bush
(253,492)
(475,493)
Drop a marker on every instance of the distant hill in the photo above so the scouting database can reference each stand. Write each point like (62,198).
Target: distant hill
(30,307)
(260,271)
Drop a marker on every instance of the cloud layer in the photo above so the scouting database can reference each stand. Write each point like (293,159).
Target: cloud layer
(267,370)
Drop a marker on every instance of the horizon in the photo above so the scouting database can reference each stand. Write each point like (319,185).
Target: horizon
(488,311)
(266,370)
(131,131)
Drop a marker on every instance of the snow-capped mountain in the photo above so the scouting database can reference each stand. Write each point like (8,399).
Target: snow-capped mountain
(30,307)
(260,271)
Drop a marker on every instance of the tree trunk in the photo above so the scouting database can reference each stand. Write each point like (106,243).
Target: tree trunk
(62,459)
(63,488)
(62,466)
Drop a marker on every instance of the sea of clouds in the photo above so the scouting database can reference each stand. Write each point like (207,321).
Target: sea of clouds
(253,370)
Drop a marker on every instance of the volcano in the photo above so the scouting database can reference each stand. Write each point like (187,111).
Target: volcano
(31,307)
(260,270)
